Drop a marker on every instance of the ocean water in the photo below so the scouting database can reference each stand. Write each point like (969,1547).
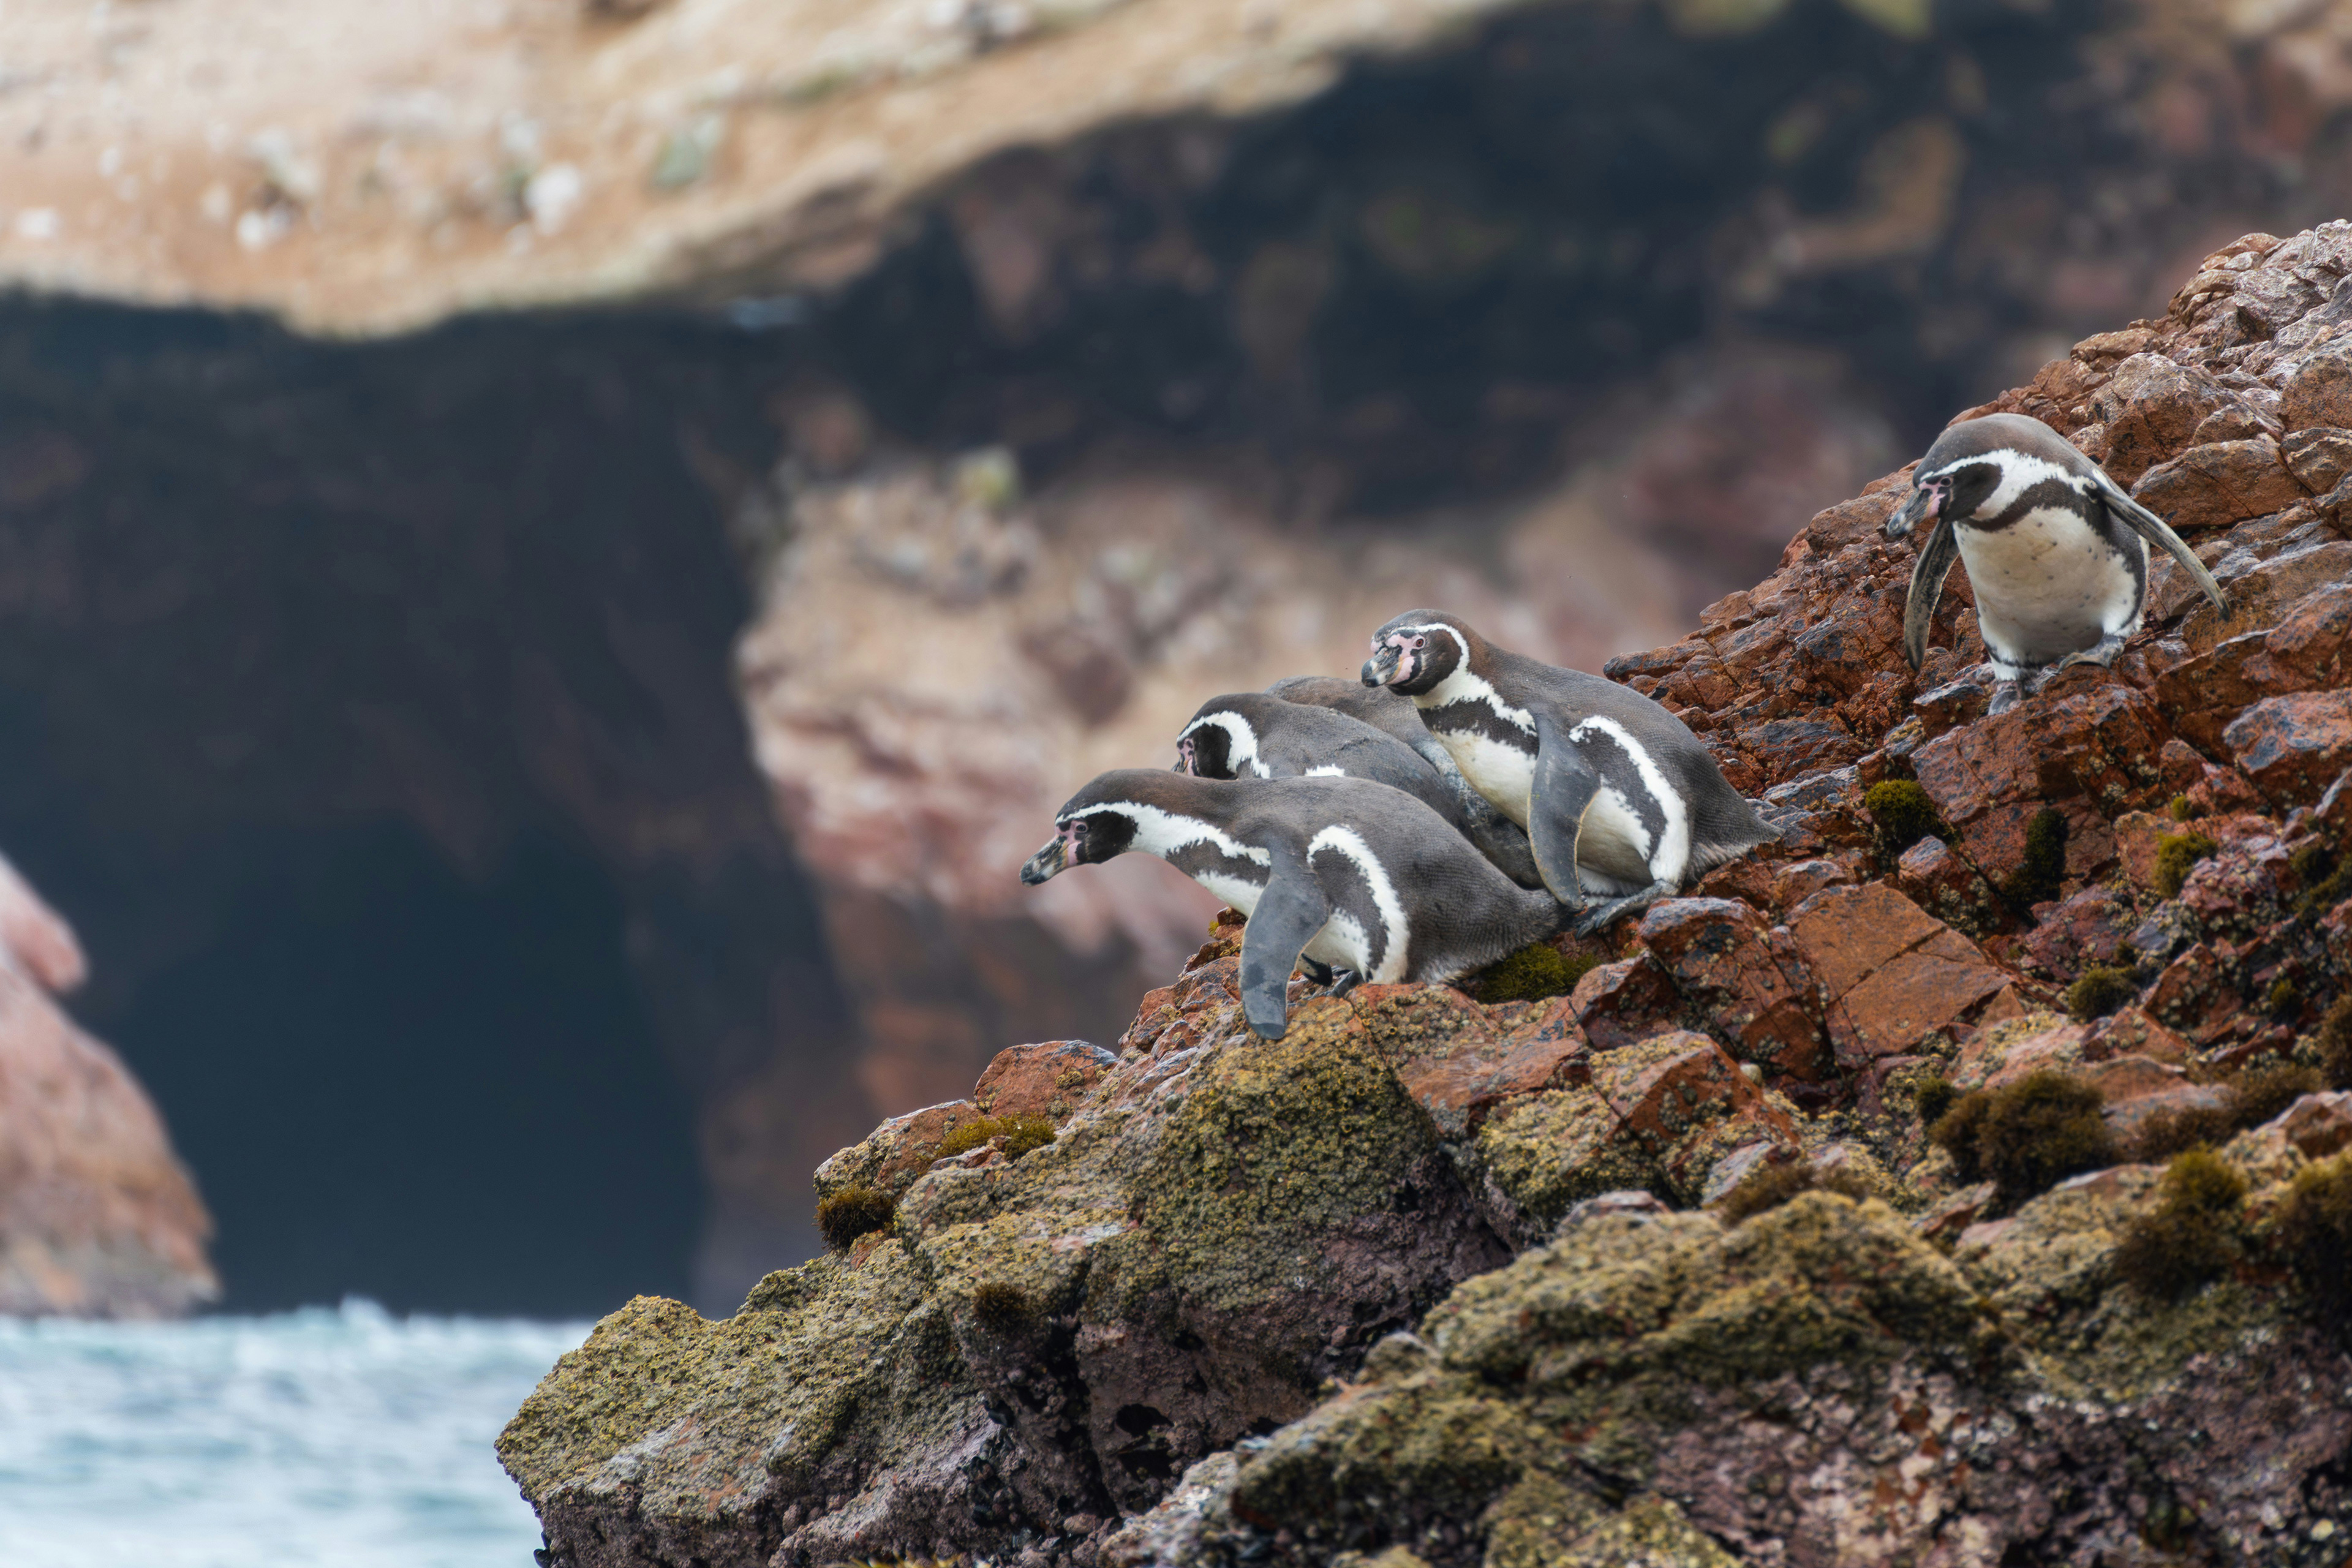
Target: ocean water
(341,1437)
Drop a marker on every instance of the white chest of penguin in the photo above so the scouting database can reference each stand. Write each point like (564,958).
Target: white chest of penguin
(1505,775)
(2048,584)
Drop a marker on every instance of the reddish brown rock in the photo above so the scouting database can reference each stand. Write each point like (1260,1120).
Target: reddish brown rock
(1989,778)
(1951,705)
(2136,1088)
(2132,1031)
(2294,747)
(1675,1086)
(98,1217)
(2305,644)
(1892,973)
(1996,1058)
(2216,485)
(2318,392)
(1041,1080)
(2151,407)
(1619,1003)
(1461,1090)
(1939,879)
(2318,1124)
(1746,981)
(2318,456)
(1949,1219)
(2092,927)
(2192,994)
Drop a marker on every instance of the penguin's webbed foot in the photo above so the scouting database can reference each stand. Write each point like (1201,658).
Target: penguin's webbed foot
(2101,653)
(1348,981)
(2006,695)
(1598,916)
(1318,972)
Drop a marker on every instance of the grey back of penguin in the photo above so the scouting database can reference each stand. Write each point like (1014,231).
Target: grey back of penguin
(1498,838)
(1376,706)
(1298,737)
(1295,739)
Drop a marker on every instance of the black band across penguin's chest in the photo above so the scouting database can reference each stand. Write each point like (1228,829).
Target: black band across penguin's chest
(2044,495)
(1469,717)
(1204,858)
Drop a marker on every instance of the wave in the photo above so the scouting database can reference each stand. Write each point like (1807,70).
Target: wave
(343,1436)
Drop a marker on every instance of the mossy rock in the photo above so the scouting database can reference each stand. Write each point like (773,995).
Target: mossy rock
(2041,872)
(2177,854)
(1022,1135)
(830,1377)
(2100,990)
(1531,975)
(1901,813)
(1547,1151)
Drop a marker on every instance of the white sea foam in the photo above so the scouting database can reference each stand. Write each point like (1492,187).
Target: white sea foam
(343,1437)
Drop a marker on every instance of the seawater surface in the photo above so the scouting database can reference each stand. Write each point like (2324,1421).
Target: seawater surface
(339,1436)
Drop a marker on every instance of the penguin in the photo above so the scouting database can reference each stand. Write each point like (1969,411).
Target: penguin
(2056,552)
(1353,875)
(1378,705)
(1618,798)
(1502,839)
(1253,734)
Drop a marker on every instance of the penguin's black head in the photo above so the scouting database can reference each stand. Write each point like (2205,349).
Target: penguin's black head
(1100,822)
(1206,750)
(1221,739)
(1969,463)
(1416,652)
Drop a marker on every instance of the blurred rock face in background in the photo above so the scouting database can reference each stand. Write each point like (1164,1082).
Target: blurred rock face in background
(986,385)
(98,1218)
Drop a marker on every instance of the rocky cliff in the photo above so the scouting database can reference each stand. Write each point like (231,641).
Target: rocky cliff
(944,361)
(1668,1269)
(98,1218)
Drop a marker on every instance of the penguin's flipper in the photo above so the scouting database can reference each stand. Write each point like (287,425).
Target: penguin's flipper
(1927,574)
(2159,532)
(1288,914)
(1564,786)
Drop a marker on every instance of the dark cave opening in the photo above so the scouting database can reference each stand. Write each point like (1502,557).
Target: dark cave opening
(437,1092)
(369,710)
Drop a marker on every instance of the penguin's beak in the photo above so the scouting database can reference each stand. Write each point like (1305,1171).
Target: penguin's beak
(1048,862)
(1381,667)
(1919,507)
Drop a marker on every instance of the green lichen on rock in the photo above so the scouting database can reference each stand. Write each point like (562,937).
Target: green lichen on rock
(1022,1135)
(1549,1150)
(853,1367)
(2101,989)
(1576,1359)
(1289,1139)
(2176,855)
(1531,975)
